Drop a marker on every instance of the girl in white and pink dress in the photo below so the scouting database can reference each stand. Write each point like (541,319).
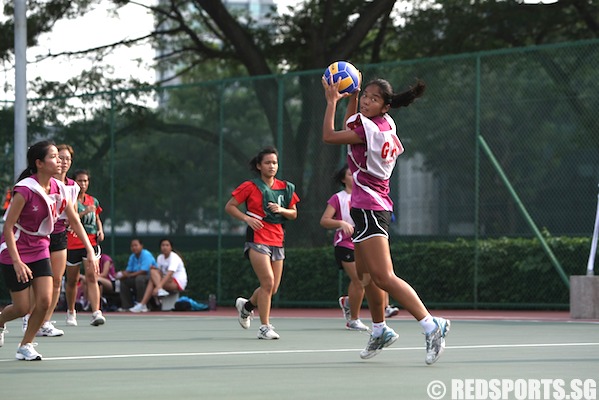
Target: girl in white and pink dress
(373,148)
(37,202)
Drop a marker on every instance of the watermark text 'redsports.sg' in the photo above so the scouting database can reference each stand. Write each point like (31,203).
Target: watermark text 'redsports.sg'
(518,389)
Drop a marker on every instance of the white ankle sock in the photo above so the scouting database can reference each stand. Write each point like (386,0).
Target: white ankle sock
(377,328)
(428,324)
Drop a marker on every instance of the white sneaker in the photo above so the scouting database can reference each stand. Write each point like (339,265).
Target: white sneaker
(48,329)
(245,316)
(163,293)
(72,318)
(97,318)
(267,332)
(28,353)
(25,322)
(356,325)
(377,344)
(3,330)
(139,308)
(435,340)
(344,304)
(391,311)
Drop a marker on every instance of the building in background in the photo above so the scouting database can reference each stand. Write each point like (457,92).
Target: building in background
(418,206)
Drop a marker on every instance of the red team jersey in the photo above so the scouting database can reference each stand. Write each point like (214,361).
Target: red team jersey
(250,194)
(89,222)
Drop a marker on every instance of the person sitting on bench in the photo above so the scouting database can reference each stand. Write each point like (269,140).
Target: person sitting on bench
(168,277)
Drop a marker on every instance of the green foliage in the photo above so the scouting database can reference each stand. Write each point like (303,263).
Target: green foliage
(512,273)
(41,16)
(443,27)
(535,110)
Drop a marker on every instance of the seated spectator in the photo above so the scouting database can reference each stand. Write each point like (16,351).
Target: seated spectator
(168,277)
(135,277)
(106,280)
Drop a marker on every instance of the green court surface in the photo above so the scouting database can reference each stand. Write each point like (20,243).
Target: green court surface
(204,356)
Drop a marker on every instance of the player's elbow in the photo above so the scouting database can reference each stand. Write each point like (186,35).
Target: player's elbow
(327,135)
(327,138)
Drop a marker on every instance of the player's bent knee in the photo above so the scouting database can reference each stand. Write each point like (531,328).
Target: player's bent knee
(365,281)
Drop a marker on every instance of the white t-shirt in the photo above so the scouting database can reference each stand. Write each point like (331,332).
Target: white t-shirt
(173,263)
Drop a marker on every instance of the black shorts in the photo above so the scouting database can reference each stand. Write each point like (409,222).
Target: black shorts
(58,241)
(370,223)
(38,268)
(343,254)
(75,257)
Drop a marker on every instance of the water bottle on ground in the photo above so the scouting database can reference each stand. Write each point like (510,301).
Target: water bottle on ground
(212,302)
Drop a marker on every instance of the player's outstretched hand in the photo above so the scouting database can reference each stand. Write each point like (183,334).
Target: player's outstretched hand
(331,90)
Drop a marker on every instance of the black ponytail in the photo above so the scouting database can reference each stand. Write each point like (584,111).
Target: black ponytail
(403,99)
(37,151)
(27,172)
(340,174)
(406,98)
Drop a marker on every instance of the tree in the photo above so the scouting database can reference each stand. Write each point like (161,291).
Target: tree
(314,34)
(460,26)
(305,50)
(456,26)
(41,17)
(302,47)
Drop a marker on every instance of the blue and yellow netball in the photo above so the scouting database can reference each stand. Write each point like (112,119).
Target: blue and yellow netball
(346,73)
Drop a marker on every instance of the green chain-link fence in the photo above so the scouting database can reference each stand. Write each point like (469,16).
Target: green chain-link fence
(163,161)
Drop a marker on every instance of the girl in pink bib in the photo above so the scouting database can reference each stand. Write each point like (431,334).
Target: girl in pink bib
(37,202)
(373,148)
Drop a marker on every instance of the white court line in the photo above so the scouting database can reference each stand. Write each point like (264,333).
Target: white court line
(306,351)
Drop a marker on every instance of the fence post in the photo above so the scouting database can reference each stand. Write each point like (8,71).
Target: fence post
(221,134)
(112,184)
(476,184)
(528,218)
(20,106)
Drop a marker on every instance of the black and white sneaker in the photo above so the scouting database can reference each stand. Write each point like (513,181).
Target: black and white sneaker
(245,316)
